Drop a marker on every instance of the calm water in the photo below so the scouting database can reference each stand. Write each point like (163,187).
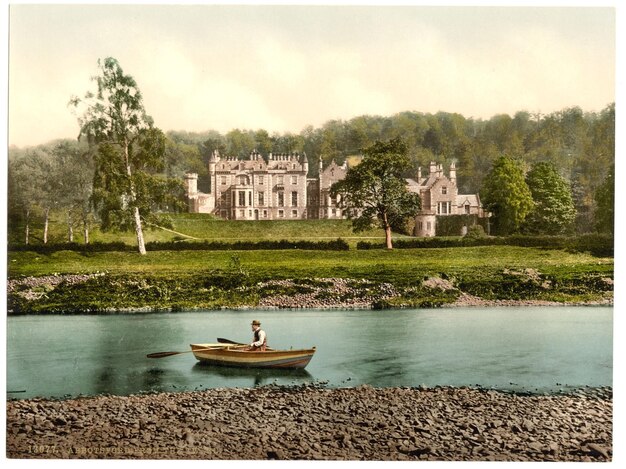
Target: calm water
(533,349)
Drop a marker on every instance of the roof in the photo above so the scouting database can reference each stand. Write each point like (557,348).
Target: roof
(463,199)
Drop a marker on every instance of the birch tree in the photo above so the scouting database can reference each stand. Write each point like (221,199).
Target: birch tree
(114,116)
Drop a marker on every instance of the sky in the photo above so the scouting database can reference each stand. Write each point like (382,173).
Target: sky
(281,68)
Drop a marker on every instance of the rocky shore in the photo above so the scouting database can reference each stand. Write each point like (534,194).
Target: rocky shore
(314,423)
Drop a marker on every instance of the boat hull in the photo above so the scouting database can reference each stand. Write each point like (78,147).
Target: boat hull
(239,357)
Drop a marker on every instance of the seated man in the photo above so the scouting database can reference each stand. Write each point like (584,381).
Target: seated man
(260,339)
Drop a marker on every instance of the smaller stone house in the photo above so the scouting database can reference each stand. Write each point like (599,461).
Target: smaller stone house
(439,196)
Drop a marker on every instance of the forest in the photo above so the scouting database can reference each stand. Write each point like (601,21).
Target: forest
(580,145)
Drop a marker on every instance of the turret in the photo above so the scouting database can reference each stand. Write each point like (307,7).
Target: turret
(191,184)
(213,159)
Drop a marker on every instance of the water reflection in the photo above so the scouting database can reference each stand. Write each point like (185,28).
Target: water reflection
(260,376)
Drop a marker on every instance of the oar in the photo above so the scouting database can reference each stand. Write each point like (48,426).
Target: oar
(169,354)
(227,341)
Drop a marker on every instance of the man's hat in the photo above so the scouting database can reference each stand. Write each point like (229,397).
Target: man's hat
(256,323)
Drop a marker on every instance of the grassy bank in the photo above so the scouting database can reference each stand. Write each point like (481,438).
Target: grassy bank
(214,279)
(203,227)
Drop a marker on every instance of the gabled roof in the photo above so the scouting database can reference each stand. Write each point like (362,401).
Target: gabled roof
(463,199)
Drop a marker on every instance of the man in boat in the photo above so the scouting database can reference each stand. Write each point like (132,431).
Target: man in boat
(260,338)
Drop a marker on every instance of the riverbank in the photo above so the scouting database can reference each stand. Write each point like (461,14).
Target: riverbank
(313,423)
(108,293)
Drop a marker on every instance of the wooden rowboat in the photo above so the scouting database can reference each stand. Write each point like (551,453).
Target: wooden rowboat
(237,355)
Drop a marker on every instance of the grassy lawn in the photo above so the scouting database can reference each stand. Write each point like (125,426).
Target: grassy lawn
(398,265)
(197,226)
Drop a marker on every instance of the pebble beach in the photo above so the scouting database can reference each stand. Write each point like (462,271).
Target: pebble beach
(311,422)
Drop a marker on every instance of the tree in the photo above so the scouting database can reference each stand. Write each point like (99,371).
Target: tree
(75,172)
(24,174)
(506,195)
(554,212)
(375,193)
(129,147)
(605,204)
(151,191)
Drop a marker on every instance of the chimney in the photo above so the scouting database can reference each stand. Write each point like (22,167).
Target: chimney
(433,168)
(453,172)
(419,175)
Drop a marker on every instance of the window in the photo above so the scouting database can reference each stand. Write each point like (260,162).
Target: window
(281,214)
(261,196)
(242,198)
(264,213)
(260,179)
(242,213)
(294,199)
(420,226)
(281,199)
(279,179)
(294,214)
(444,208)
(249,198)
(334,212)
(467,209)
(428,226)
(223,179)
(444,190)
(294,179)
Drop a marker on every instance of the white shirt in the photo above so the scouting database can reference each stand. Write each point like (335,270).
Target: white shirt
(261,340)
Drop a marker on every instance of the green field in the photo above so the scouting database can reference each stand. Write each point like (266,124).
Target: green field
(402,265)
(196,226)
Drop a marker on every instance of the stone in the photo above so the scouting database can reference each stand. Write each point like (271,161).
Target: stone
(598,450)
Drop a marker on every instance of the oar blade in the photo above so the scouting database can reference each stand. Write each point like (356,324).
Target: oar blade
(228,341)
(162,354)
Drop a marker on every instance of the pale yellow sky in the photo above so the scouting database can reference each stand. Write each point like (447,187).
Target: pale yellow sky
(284,67)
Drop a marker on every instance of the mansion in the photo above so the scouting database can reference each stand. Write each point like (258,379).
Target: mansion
(278,188)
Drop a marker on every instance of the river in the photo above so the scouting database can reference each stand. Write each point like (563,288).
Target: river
(533,349)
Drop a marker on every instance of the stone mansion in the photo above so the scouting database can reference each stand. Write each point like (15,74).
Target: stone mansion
(278,188)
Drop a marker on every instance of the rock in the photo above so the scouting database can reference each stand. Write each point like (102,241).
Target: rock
(275,454)
(598,450)
(437,424)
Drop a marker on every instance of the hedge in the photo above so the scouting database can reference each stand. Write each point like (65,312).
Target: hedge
(334,245)
(596,244)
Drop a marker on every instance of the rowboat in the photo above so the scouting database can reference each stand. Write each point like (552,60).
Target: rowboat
(239,356)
